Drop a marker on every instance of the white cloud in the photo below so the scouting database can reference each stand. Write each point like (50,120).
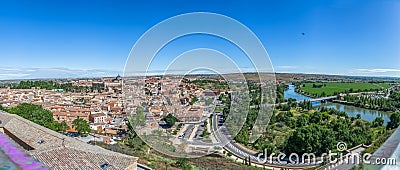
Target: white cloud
(33,73)
(286,67)
(14,75)
(5,76)
(9,69)
(375,72)
(378,70)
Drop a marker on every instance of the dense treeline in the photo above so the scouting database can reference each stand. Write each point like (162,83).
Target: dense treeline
(38,115)
(49,85)
(280,89)
(318,85)
(318,133)
(243,135)
(208,84)
(253,86)
(255,95)
(390,104)
(394,121)
(300,128)
(312,130)
(292,103)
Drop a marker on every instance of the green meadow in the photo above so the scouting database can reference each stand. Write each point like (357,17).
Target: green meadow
(330,88)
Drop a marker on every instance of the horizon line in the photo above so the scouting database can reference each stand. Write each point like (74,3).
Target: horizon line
(199,74)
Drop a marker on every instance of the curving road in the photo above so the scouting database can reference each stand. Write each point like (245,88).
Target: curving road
(245,153)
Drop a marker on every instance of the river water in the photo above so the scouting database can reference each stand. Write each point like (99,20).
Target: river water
(352,111)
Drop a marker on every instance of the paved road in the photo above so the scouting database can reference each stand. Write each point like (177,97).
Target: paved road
(240,151)
(347,163)
(188,131)
(223,138)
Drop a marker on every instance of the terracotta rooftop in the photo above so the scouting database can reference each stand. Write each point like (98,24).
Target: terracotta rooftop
(61,152)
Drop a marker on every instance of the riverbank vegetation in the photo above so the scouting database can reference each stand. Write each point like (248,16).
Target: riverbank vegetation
(280,89)
(302,129)
(379,141)
(298,127)
(391,103)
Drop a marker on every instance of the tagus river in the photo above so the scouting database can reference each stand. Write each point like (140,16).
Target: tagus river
(352,111)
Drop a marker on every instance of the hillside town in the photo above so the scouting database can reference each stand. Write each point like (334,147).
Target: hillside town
(107,110)
(103,108)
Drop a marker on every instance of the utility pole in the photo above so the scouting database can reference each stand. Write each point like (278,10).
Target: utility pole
(249,161)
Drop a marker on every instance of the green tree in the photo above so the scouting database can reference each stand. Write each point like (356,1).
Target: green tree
(63,126)
(261,144)
(2,108)
(34,113)
(394,121)
(229,154)
(377,122)
(140,118)
(302,120)
(311,139)
(183,163)
(81,125)
(194,100)
(170,120)
(316,117)
(243,136)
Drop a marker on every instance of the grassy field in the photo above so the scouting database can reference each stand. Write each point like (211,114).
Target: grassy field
(330,88)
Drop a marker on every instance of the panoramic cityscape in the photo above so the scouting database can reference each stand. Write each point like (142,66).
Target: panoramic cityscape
(200,85)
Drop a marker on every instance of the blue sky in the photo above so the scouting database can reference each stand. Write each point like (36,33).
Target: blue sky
(351,37)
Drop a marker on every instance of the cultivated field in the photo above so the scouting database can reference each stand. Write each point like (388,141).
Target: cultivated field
(330,88)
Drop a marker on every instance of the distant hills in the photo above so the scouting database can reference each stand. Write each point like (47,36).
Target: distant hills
(8,73)
(48,73)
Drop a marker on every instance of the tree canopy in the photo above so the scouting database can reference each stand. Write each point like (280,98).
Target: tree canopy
(81,125)
(394,121)
(38,115)
(49,85)
(170,120)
